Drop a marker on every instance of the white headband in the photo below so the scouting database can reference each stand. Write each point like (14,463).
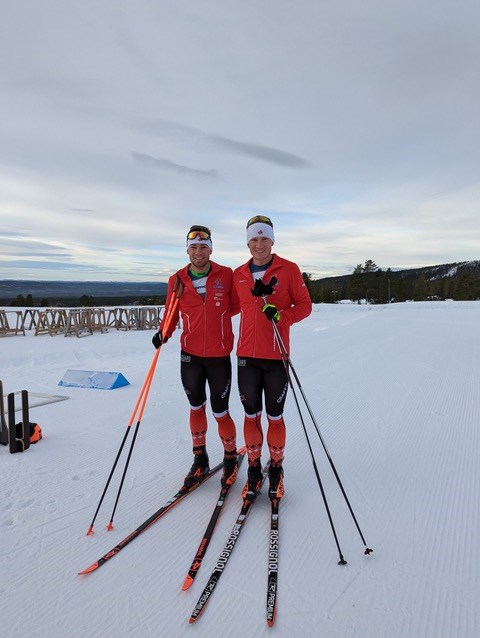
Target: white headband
(259,229)
(199,240)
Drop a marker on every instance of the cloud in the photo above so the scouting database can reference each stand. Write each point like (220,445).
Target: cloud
(12,244)
(11,234)
(28,265)
(257,151)
(190,137)
(172,167)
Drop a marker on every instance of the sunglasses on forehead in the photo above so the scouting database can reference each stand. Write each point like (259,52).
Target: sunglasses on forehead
(262,219)
(198,234)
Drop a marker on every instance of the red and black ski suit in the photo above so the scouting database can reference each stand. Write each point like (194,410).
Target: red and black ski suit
(206,343)
(261,369)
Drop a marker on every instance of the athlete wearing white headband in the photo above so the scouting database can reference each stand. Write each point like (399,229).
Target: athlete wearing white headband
(198,236)
(260,226)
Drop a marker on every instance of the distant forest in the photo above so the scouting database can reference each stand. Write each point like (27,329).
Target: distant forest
(71,294)
(459,281)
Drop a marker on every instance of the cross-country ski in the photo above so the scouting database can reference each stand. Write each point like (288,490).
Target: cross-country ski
(177,498)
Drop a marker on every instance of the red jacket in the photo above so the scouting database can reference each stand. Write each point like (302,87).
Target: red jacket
(290,296)
(207,325)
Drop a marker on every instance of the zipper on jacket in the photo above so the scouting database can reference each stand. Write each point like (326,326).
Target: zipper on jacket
(222,316)
(255,328)
(205,321)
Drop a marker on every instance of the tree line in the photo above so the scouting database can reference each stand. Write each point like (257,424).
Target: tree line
(371,284)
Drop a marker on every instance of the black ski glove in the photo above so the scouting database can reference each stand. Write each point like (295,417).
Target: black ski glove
(270,311)
(158,340)
(260,289)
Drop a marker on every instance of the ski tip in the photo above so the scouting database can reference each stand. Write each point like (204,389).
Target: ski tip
(195,615)
(89,531)
(90,569)
(242,450)
(187,582)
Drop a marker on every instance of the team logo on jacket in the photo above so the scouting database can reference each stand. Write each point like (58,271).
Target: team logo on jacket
(218,284)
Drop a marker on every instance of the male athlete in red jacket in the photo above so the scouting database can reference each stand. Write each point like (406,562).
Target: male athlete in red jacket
(270,289)
(206,306)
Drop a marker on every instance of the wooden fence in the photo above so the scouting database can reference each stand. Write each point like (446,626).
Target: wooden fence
(78,322)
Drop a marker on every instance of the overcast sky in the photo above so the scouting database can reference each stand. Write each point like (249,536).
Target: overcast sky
(354,125)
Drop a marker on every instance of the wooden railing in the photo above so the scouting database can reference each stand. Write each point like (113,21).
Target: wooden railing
(79,321)
(7,319)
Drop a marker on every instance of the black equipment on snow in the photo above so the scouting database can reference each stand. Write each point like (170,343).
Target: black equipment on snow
(18,436)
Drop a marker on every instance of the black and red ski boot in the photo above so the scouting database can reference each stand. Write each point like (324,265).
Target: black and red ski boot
(200,467)
(230,468)
(275,476)
(254,482)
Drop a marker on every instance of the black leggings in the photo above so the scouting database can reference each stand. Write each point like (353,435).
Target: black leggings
(195,372)
(262,375)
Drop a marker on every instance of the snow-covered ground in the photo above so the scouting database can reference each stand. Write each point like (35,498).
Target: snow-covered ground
(396,393)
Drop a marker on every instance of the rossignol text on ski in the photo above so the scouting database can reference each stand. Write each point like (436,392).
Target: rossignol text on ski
(204,543)
(224,555)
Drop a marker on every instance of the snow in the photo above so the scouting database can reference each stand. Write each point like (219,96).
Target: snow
(395,392)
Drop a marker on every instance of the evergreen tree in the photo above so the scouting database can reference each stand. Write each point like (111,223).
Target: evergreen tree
(370,266)
(86,301)
(355,287)
(19,301)
(362,285)
(421,289)
(465,288)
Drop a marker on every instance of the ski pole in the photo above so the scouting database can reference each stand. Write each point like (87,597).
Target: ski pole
(289,365)
(146,383)
(342,561)
(286,364)
(178,289)
(122,445)
(143,397)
